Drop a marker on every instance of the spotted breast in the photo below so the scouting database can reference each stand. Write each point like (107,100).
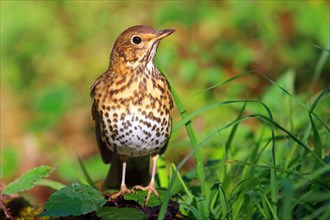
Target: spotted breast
(134,110)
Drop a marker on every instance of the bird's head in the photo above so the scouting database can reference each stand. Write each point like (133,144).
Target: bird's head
(137,46)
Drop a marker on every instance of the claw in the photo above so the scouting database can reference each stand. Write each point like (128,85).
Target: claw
(151,188)
(123,190)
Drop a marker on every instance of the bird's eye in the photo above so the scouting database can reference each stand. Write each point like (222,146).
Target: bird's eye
(137,40)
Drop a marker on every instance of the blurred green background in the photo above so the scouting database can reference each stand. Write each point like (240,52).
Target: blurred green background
(51,53)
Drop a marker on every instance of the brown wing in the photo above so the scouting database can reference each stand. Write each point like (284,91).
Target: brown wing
(106,153)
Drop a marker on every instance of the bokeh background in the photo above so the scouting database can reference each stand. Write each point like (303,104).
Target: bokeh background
(51,53)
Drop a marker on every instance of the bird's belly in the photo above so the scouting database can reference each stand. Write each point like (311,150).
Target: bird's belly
(137,133)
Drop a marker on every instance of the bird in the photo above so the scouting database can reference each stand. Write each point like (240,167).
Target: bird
(132,108)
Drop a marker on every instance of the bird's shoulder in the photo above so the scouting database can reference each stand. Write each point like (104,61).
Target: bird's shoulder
(103,81)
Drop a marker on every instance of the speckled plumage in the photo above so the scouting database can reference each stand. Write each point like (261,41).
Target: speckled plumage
(132,101)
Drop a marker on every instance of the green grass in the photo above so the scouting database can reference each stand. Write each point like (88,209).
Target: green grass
(282,173)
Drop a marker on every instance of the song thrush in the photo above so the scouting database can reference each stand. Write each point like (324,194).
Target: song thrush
(132,105)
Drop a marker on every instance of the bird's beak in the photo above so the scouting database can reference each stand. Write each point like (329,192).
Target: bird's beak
(163,33)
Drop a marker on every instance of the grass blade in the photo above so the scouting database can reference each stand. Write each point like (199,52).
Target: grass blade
(319,66)
(86,174)
(316,138)
(189,194)
(287,200)
(234,129)
(162,173)
(194,143)
(224,202)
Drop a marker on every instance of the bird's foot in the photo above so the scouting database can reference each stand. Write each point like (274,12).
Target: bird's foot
(123,190)
(151,188)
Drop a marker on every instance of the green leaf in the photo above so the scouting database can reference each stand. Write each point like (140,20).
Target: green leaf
(75,199)
(108,213)
(27,180)
(140,197)
(50,183)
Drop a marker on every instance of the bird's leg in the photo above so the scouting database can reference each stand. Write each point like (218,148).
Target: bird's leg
(151,186)
(123,187)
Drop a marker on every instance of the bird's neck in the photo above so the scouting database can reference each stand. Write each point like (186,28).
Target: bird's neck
(150,67)
(122,66)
